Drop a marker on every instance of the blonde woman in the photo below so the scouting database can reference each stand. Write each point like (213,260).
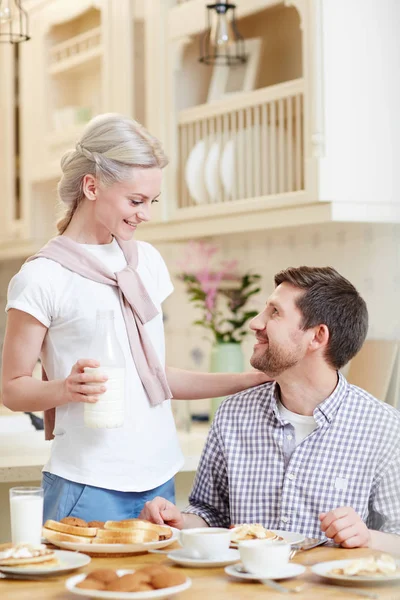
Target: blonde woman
(108,184)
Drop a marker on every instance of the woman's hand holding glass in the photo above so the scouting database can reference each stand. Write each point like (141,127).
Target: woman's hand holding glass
(84,387)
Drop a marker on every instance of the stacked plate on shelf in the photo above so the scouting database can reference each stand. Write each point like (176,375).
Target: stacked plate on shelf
(210,163)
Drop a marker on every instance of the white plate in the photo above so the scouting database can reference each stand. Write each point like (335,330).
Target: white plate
(290,536)
(164,593)
(322,569)
(227,167)
(179,557)
(194,172)
(119,548)
(291,570)
(68,561)
(211,171)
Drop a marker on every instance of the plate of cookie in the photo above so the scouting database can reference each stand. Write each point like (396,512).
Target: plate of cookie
(370,570)
(151,581)
(252,531)
(110,537)
(27,559)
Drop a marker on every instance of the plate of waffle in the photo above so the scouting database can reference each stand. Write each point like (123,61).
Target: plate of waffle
(27,559)
(110,537)
(253,531)
(372,569)
(150,581)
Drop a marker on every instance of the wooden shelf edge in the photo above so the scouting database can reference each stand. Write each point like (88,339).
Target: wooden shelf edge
(76,61)
(241,100)
(316,213)
(268,219)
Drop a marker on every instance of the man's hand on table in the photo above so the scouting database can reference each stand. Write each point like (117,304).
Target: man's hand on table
(162,511)
(345,527)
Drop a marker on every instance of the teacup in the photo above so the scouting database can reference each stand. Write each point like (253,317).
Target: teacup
(205,542)
(264,557)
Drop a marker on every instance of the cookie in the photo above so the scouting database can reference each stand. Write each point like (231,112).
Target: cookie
(167,579)
(106,576)
(74,521)
(133,582)
(98,524)
(144,587)
(91,584)
(152,569)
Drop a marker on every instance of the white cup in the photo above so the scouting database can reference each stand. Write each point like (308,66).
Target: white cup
(264,557)
(205,542)
(26,513)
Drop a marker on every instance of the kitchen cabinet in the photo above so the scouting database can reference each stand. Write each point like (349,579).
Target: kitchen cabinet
(12,205)
(79,62)
(316,141)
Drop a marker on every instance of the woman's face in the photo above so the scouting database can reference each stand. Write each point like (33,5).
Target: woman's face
(121,207)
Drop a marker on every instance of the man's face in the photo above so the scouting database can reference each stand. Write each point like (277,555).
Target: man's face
(281,343)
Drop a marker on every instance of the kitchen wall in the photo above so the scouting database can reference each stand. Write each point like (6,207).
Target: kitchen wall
(369,255)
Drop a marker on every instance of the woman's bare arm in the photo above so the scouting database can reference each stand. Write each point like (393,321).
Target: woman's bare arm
(191,385)
(22,392)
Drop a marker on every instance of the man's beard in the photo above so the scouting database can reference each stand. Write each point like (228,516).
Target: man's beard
(274,361)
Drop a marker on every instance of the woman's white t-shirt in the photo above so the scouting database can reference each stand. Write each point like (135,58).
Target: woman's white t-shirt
(142,454)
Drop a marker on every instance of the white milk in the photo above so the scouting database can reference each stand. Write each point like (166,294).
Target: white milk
(26,519)
(108,411)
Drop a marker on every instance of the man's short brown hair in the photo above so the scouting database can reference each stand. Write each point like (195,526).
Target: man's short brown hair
(330,299)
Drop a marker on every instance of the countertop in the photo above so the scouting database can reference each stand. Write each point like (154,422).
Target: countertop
(22,455)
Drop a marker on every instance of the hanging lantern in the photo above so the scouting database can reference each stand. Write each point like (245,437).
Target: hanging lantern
(222,43)
(14,24)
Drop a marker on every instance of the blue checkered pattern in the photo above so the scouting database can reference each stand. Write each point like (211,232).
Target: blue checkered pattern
(252,472)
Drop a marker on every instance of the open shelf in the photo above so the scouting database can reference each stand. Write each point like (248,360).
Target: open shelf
(79,50)
(249,145)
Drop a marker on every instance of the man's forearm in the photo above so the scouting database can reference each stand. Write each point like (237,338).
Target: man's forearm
(190,385)
(190,520)
(387,542)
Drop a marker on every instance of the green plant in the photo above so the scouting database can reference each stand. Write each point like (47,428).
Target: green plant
(221,295)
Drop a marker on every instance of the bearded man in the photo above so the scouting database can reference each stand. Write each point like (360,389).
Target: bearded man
(307,452)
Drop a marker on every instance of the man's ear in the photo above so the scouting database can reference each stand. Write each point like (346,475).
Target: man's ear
(320,338)
(89,186)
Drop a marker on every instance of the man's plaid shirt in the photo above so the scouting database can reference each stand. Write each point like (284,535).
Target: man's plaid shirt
(252,472)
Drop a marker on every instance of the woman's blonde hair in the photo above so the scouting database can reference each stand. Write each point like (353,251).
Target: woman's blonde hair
(110,146)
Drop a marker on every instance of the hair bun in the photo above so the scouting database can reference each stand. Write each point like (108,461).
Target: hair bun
(66,159)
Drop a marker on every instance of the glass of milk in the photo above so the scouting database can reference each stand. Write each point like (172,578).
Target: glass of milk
(26,513)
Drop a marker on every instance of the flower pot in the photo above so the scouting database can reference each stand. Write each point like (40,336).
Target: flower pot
(225,358)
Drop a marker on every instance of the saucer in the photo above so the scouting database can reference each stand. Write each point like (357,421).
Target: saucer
(289,571)
(179,557)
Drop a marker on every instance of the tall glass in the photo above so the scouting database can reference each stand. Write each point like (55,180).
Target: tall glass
(26,513)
